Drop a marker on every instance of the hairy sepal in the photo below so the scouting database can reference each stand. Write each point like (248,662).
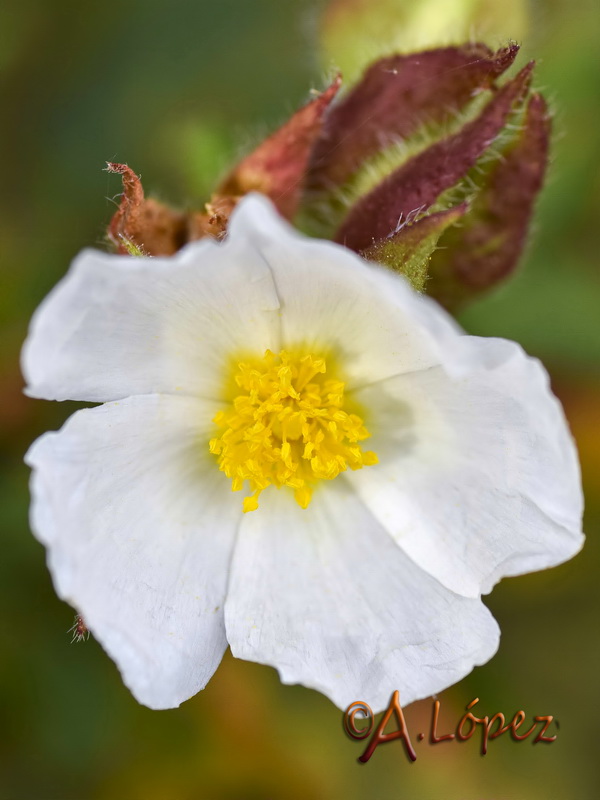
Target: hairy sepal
(409,249)
(486,249)
(417,184)
(143,226)
(277,167)
(395,97)
(354,33)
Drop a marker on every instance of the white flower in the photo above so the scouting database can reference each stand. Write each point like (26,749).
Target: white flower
(376,585)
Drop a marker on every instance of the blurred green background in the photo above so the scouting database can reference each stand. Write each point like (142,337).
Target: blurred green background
(176,90)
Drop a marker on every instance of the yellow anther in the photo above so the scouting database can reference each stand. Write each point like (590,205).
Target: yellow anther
(302,496)
(287,427)
(251,503)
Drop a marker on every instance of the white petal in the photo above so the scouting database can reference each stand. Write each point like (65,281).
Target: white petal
(329,599)
(478,475)
(332,299)
(139,526)
(117,326)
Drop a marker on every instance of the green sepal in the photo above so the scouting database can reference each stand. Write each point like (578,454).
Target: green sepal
(408,250)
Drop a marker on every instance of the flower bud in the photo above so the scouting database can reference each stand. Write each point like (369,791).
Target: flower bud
(423,141)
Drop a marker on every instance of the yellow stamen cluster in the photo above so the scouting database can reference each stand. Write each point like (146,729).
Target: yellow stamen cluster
(287,427)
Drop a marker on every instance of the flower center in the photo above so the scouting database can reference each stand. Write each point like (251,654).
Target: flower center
(287,427)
